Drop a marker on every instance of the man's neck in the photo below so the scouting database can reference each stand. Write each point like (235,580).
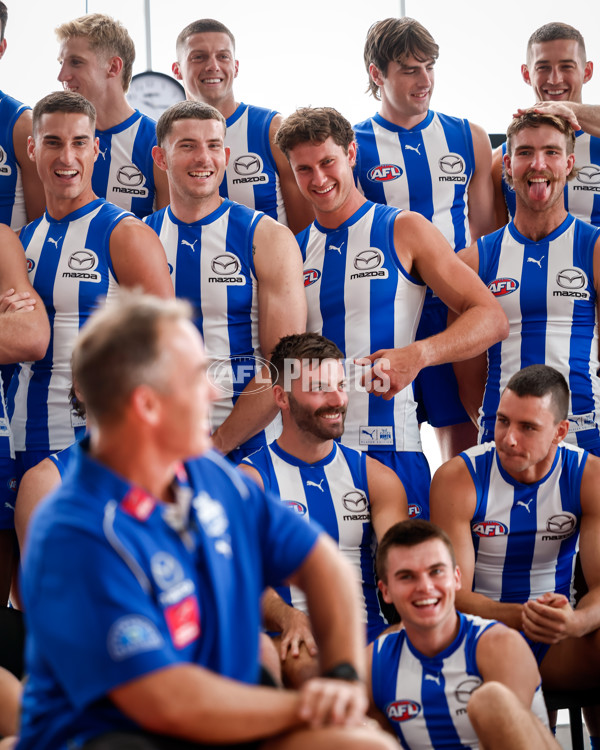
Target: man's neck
(534,473)
(112,109)
(303,445)
(398,118)
(433,641)
(538,225)
(334,219)
(58,208)
(191,210)
(226,106)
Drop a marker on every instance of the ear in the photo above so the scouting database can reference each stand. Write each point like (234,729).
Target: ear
(2,47)
(525,74)
(158,154)
(376,75)
(280,397)
(570,163)
(96,148)
(31,147)
(352,148)
(562,428)
(176,71)
(227,155)
(115,66)
(145,405)
(458,578)
(588,71)
(237,67)
(507,167)
(384,592)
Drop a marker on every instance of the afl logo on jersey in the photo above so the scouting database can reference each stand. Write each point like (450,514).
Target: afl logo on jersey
(30,265)
(414,510)
(489,528)
(311,275)
(502,287)
(297,507)
(384,173)
(402,710)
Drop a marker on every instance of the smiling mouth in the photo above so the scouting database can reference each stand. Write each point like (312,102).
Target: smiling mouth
(200,174)
(66,173)
(210,81)
(323,191)
(423,603)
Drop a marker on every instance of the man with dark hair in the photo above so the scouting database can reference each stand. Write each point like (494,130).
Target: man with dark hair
(365,270)
(541,267)
(169,550)
(96,60)
(556,69)
(21,193)
(77,254)
(354,498)
(258,175)
(517,510)
(423,677)
(414,158)
(241,270)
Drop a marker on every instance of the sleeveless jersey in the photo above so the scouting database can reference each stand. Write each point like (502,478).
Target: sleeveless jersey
(251,177)
(425,698)
(335,493)
(426,169)
(361,297)
(582,193)
(124,169)
(12,199)
(211,265)
(71,269)
(546,289)
(525,535)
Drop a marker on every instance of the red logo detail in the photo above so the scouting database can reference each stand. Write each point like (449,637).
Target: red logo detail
(311,275)
(183,621)
(138,503)
(489,528)
(402,710)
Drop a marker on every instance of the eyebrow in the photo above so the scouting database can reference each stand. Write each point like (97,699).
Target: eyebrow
(439,564)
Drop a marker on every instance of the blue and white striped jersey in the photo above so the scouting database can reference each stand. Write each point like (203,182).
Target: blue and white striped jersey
(251,177)
(426,169)
(12,199)
(582,194)
(525,535)
(71,269)
(361,297)
(124,169)
(546,289)
(335,493)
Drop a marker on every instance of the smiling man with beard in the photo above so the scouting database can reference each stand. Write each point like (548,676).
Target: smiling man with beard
(352,496)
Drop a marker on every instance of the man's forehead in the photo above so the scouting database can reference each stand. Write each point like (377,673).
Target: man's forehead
(543,134)
(426,554)
(408,60)
(209,40)
(556,50)
(61,123)
(193,128)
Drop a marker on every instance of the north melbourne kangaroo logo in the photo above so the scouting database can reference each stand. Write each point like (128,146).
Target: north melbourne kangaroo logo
(412,148)
(310,483)
(537,262)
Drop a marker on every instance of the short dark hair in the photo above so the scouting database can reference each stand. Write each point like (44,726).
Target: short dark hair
(314,125)
(550,32)
(299,346)
(118,350)
(202,26)
(392,40)
(538,381)
(186,110)
(409,534)
(532,119)
(63,101)
(3,19)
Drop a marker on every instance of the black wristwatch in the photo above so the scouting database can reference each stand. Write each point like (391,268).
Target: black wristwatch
(342,671)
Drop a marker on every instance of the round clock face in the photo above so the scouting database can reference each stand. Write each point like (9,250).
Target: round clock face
(153,92)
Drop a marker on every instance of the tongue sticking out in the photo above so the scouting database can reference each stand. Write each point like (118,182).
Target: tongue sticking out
(539,190)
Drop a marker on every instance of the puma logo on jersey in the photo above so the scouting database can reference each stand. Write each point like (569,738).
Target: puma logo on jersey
(433,678)
(335,247)
(310,483)
(54,242)
(525,505)
(370,434)
(533,260)
(190,244)
(412,148)
(103,153)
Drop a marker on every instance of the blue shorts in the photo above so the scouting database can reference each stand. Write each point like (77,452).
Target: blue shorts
(436,389)
(8,492)
(539,649)
(413,470)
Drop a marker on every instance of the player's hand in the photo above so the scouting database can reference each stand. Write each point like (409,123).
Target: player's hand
(325,702)
(559,109)
(11,301)
(392,370)
(295,631)
(549,618)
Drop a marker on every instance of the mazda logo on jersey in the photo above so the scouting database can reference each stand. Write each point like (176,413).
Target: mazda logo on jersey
(589,175)
(2,155)
(225,265)
(502,287)
(83,260)
(248,164)
(130,176)
(4,168)
(402,710)
(571,278)
(465,689)
(489,528)
(368,260)
(355,501)
(452,164)
(384,173)
(297,507)
(311,275)
(561,523)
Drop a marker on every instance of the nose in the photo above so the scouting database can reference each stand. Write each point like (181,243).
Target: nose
(212,63)
(424,78)
(63,74)
(318,176)
(538,160)
(555,75)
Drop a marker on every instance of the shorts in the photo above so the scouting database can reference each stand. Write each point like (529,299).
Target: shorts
(539,649)
(436,389)
(413,470)
(8,492)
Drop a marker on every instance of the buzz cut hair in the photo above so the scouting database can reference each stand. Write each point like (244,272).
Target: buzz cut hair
(186,110)
(393,40)
(539,381)
(314,125)
(63,101)
(202,26)
(105,37)
(409,534)
(551,32)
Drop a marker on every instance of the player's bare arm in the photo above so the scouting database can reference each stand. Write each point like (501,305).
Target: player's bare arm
(501,216)
(387,497)
(33,191)
(481,189)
